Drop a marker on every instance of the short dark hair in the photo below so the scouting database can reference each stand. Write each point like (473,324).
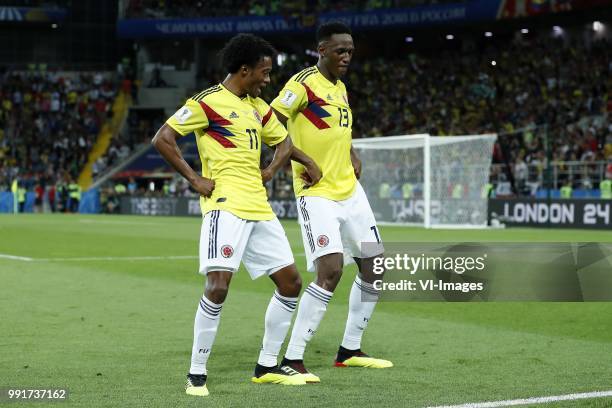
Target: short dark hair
(325,31)
(245,49)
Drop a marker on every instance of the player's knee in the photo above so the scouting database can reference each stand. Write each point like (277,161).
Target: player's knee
(217,291)
(366,270)
(292,285)
(328,276)
(295,286)
(330,283)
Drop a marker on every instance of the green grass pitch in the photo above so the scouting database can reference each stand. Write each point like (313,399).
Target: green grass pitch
(119,332)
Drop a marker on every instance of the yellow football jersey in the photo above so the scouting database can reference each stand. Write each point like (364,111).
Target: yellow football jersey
(229,131)
(320,124)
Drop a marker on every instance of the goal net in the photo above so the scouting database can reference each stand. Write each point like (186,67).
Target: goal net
(434,181)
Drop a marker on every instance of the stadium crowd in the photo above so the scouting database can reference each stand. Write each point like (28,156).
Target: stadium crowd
(454,92)
(525,97)
(48,124)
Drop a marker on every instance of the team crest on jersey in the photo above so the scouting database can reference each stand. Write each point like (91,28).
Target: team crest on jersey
(257,116)
(227,251)
(322,241)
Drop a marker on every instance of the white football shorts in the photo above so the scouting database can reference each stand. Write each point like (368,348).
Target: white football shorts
(225,240)
(338,227)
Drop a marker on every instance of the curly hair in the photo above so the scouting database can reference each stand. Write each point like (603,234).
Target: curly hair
(245,49)
(325,31)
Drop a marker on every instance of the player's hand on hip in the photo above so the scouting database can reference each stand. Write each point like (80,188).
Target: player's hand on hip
(311,175)
(266,175)
(203,186)
(356,166)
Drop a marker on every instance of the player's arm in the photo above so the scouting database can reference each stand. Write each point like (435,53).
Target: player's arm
(312,173)
(356,163)
(290,102)
(186,120)
(282,118)
(281,156)
(165,143)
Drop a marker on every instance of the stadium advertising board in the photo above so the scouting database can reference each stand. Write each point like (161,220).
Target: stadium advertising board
(557,213)
(403,210)
(185,206)
(284,208)
(418,16)
(160,206)
(592,214)
(413,17)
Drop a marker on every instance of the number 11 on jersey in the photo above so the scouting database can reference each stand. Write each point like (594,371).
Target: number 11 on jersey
(253,138)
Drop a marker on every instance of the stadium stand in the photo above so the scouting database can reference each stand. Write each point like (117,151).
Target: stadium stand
(49,122)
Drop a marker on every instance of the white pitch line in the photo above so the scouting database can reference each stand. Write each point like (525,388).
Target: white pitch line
(527,401)
(119,222)
(120,258)
(16,258)
(116,258)
(107,258)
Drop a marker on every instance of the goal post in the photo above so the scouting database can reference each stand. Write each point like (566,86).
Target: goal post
(431,181)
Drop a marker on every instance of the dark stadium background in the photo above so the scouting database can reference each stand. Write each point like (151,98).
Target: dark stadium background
(97,295)
(547,96)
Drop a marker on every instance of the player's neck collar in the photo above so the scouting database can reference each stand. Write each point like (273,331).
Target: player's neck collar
(242,98)
(327,81)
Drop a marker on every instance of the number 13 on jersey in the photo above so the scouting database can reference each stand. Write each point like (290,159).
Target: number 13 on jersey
(344,117)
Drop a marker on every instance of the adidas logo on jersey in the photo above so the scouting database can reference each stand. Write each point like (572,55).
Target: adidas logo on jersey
(329,97)
(233,115)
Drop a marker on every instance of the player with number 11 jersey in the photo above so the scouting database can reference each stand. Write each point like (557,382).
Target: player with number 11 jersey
(229,131)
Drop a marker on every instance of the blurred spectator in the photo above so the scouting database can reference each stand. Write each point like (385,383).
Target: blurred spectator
(132,186)
(74,193)
(109,201)
(156,80)
(120,189)
(51,197)
(38,201)
(21,197)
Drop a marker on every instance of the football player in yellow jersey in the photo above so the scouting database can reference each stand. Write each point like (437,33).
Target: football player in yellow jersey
(230,122)
(335,216)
